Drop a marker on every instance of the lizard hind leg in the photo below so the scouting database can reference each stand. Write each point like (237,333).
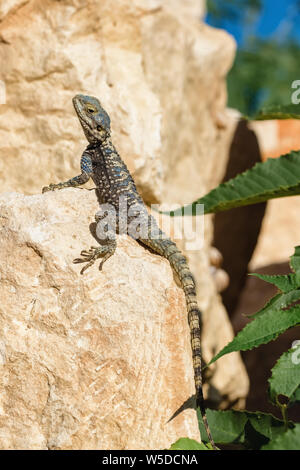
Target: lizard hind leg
(96,252)
(104,251)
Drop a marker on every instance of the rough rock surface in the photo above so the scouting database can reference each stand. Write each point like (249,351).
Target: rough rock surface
(95,361)
(157,69)
(160,73)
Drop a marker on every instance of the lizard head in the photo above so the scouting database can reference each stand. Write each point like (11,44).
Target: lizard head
(93,118)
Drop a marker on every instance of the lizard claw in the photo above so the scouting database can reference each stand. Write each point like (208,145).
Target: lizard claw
(91,255)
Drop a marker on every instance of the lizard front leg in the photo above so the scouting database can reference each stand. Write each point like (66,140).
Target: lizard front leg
(86,173)
(71,183)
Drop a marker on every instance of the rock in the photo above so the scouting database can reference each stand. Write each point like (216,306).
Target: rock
(188,7)
(195,141)
(158,71)
(8,7)
(220,276)
(99,361)
(103,360)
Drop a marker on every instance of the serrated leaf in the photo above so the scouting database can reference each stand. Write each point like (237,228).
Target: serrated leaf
(290,111)
(266,424)
(234,427)
(253,438)
(277,177)
(290,440)
(184,443)
(285,379)
(226,426)
(278,302)
(261,330)
(285,283)
(288,284)
(268,306)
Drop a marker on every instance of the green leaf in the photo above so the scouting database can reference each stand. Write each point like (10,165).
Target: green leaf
(272,320)
(285,283)
(261,330)
(266,424)
(288,284)
(184,443)
(289,111)
(267,307)
(226,426)
(277,177)
(278,302)
(290,440)
(241,427)
(285,379)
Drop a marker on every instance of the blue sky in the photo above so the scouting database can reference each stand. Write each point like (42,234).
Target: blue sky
(279,18)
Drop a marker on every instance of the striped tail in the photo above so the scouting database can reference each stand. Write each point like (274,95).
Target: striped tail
(180,266)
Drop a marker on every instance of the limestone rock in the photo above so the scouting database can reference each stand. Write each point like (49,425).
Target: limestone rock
(99,361)
(71,346)
(157,69)
(188,7)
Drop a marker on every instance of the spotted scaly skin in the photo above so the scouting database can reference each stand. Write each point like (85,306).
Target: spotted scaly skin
(101,162)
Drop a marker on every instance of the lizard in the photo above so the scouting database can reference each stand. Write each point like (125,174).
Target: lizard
(101,162)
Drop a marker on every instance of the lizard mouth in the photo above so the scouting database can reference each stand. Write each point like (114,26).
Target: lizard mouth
(78,107)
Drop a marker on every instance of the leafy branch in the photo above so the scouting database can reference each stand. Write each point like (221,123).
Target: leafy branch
(272,179)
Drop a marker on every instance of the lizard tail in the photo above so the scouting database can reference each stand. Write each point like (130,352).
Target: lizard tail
(180,266)
(168,249)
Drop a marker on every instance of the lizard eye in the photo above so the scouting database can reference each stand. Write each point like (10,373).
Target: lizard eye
(91,110)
